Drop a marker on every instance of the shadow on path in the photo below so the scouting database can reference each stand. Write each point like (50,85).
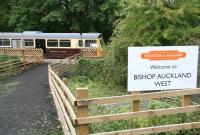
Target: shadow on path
(26,106)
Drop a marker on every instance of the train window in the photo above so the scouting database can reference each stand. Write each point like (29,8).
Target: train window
(65,43)
(28,42)
(4,42)
(80,43)
(52,43)
(88,43)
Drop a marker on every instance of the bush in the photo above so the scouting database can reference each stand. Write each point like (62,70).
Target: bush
(92,69)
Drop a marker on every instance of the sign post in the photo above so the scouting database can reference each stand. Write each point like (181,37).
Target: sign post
(162,68)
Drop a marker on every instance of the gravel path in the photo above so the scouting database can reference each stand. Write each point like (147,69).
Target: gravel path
(26,105)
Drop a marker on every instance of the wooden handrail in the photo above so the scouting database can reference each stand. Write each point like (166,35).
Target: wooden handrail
(61,104)
(156,129)
(130,98)
(143,114)
(8,61)
(66,90)
(59,110)
(64,100)
(11,64)
(71,57)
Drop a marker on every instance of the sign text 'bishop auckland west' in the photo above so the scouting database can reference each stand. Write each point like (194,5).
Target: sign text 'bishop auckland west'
(162,68)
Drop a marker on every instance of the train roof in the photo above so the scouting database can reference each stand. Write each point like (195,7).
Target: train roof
(41,35)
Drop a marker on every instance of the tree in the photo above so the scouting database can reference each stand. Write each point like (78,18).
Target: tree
(90,15)
(4,14)
(158,24)
(35,15)
(64,15)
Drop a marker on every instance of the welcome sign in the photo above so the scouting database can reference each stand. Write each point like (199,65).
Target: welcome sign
(162,68)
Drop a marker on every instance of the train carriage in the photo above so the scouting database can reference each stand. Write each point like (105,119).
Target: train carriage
(54,45)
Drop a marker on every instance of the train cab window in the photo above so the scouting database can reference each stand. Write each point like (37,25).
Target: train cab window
(65,43)
(89,43)
(101,41)
(4,42)
(52,43)
(28,42)
(80,43)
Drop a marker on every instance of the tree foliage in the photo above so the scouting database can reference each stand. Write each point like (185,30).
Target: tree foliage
(148,23)
(4,15)
(61,15)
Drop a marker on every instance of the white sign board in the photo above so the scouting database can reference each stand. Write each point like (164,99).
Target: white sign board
(162,68)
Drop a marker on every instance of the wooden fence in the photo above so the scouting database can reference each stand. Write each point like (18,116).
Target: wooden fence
(25,55)
(12,66)
(9,67)
(92,53)
(18,60)
(73,110)
(63,65)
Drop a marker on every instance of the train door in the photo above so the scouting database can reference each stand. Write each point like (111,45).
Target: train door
(16,43)
(40,43)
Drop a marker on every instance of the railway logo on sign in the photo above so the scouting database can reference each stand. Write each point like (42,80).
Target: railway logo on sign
(162,68)
(163,55)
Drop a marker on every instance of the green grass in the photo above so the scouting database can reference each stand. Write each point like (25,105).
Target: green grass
(5,58)
(97,89)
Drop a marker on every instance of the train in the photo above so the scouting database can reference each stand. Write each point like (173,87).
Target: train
(54,45)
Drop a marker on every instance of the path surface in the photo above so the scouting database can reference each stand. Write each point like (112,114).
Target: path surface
(26,105)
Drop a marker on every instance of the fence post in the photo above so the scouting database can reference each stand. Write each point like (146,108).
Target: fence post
(23,55)
(23,58)
(82,93)
(4,51)
(65,82)
(81,52)
(60,63)
(10,66)
(186,100)
(42,56)
(135,106)
(136,103)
